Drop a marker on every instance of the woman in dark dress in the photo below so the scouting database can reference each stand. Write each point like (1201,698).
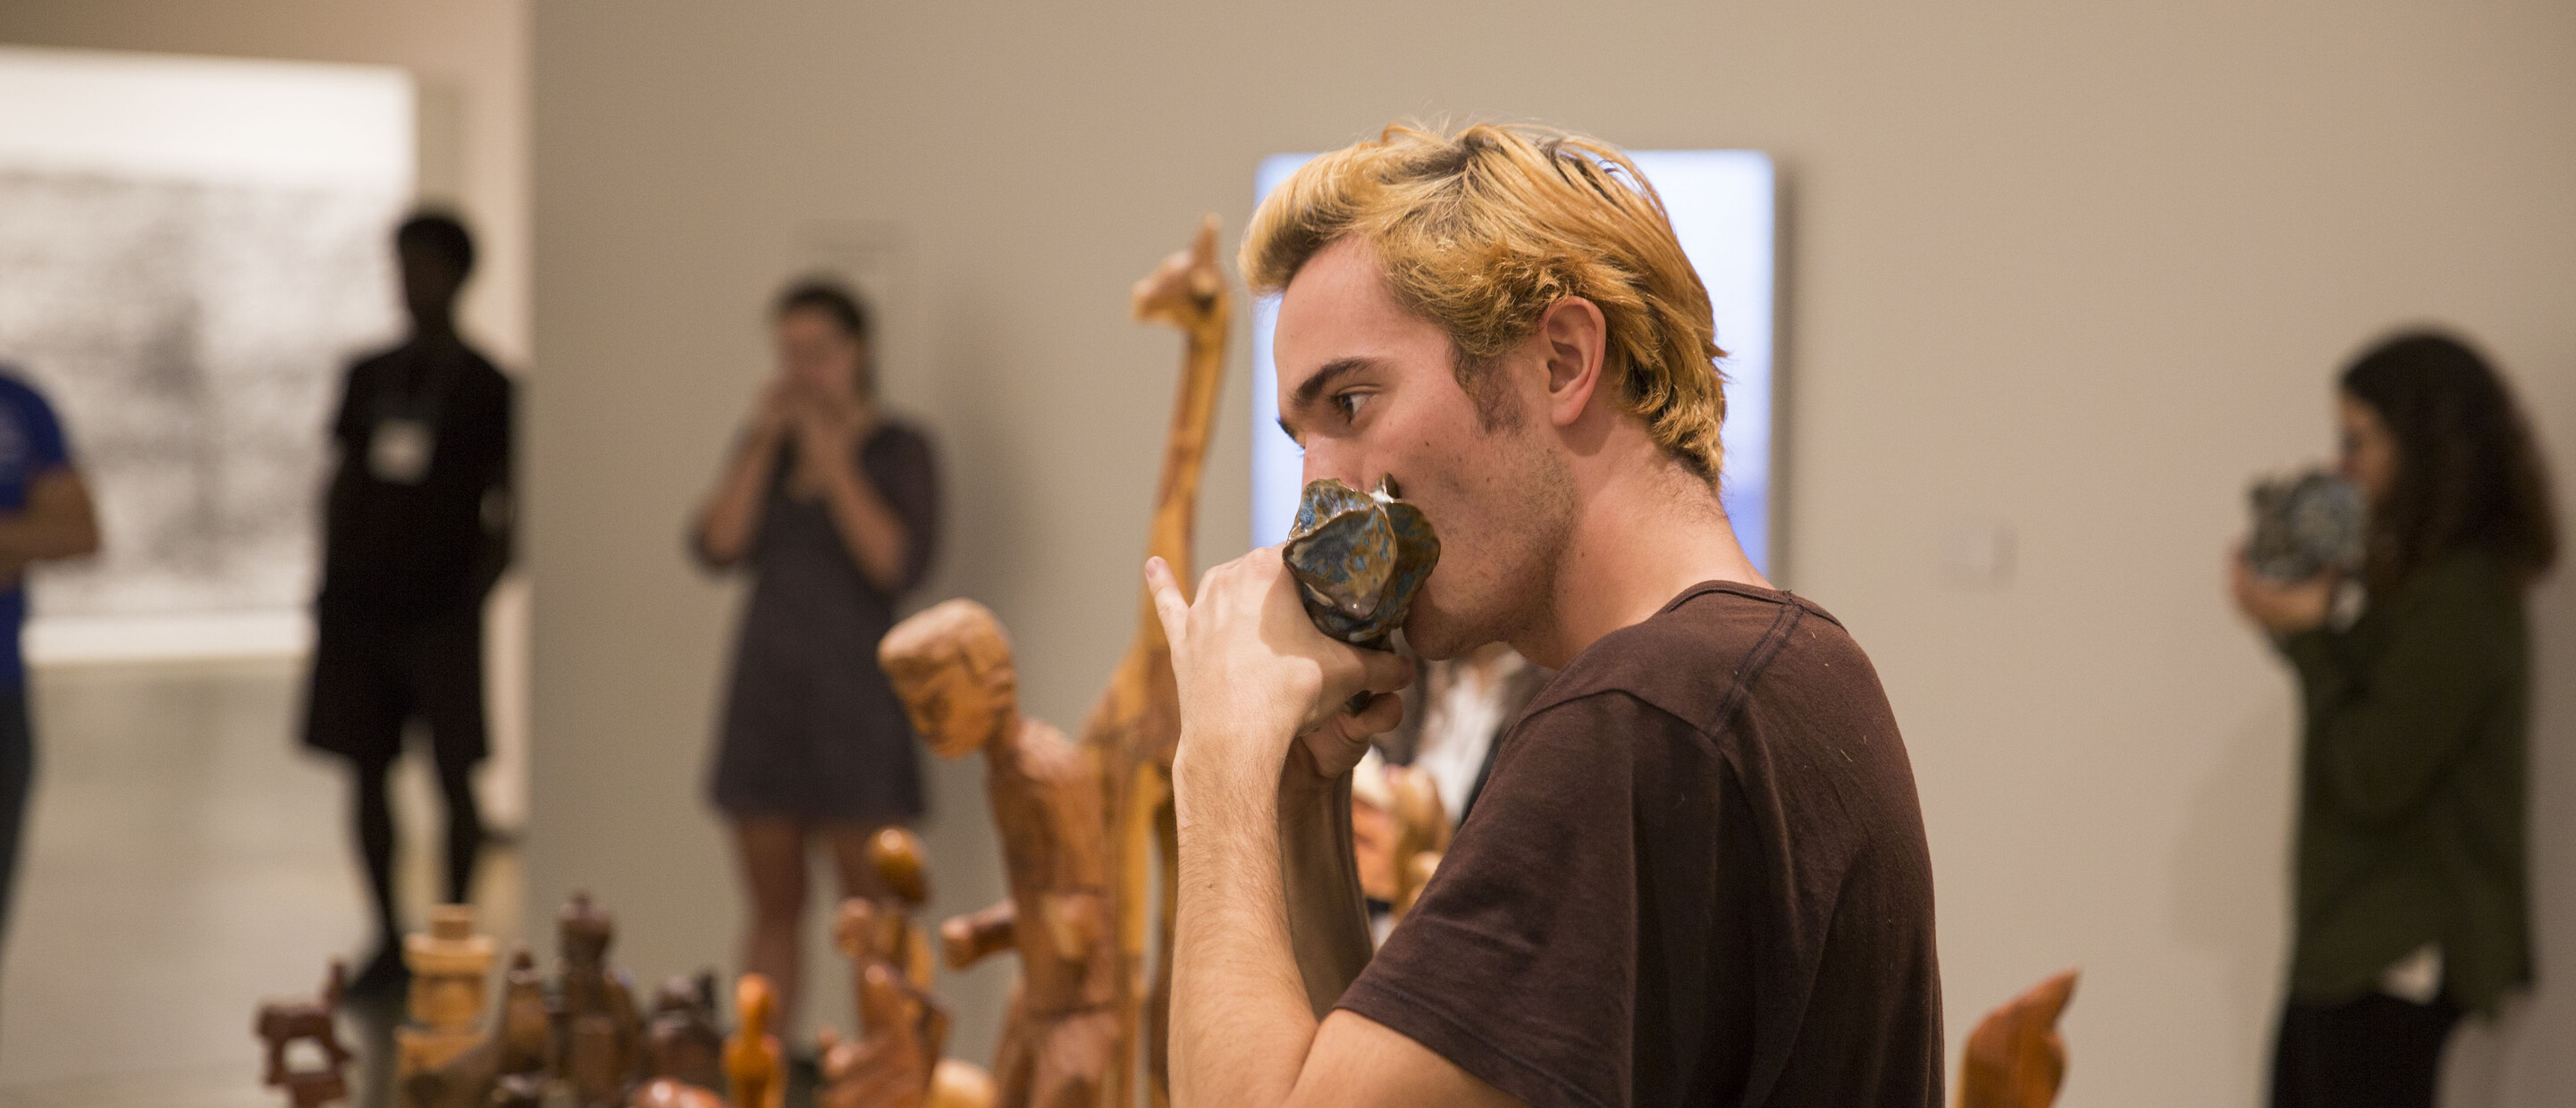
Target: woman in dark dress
(834,512)
(2412,905)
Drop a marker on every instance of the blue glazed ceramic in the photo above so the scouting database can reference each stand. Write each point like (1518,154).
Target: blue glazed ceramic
(1359,558)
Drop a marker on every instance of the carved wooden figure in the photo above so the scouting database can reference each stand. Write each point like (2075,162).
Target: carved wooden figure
(449,964)
(755,1069)
(1422,833)
(525,1036)
(668,1092)
(1063,1039)
(2015,1058)
(902,1029)
(682,1042)
(515,1045)
(600,1033)
(1135,724)
(283,1023)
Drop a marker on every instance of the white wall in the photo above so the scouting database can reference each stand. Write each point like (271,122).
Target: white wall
(2074,273)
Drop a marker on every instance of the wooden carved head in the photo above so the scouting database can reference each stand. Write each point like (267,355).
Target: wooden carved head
(896,854)
(951,664)
(1188,287)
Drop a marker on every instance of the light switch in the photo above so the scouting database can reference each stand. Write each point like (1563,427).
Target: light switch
(1978,554)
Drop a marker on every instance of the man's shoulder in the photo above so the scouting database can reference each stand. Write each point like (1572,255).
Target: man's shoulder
(1707,651)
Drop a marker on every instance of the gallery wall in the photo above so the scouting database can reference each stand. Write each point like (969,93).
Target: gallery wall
(2058,281)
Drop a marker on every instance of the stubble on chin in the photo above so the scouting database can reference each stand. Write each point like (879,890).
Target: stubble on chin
(1507,586)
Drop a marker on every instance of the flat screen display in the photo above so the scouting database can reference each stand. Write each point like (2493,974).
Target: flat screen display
(1721,203)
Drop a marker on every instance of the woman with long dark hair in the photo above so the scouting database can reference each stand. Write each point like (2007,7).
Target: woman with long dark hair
(2412,900)
(834,510)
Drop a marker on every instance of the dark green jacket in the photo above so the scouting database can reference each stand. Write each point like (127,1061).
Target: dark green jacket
(2411,788)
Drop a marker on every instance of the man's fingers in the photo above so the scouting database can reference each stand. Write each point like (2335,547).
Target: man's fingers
(1384,671)
(1169,607)
(1384,712)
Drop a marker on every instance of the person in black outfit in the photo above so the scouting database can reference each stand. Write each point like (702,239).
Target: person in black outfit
(416,530)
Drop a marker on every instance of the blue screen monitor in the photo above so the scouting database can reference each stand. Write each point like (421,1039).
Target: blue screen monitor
(1722,210)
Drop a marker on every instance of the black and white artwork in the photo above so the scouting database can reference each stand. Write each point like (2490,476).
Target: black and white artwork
(189,316)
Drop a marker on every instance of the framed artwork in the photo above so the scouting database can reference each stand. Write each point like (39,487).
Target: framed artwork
(195,250)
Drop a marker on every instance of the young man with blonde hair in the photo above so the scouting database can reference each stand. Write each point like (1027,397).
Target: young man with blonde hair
(1697,872)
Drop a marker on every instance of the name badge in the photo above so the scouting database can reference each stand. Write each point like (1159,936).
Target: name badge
(399,452)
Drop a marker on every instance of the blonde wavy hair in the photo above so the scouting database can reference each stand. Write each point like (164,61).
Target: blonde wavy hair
(1482,230)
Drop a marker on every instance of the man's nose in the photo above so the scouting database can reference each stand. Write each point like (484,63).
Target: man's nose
(1338,462)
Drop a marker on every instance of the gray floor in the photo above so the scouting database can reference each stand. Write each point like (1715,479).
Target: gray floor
(183,862)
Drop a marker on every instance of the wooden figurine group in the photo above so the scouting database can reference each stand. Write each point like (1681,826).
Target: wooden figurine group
(580,1039)
(1082,825)
(895,1060)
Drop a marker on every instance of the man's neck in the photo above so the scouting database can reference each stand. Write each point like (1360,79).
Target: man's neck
(1637,542)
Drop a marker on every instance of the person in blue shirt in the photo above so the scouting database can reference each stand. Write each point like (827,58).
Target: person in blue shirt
(44,515)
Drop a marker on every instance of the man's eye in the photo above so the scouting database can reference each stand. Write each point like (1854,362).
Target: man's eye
(1349,404)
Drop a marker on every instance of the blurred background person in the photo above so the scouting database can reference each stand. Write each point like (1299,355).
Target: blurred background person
(416,530)
(44,514)
(2411,900)
(834,511)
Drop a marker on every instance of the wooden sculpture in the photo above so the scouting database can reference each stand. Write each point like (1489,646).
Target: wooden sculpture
(283,1023)
(755,1069)
(1135,725)
(682,1043)
(449,964)
(1421,833)
(518,1044)
(524,1036)
(1398,829)
(894,1062)
(668,1092)
(2015,1058)
(600,1042)
(958,1085)
(1063,1038)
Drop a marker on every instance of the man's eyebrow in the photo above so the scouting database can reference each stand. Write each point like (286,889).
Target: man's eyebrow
(1315,385)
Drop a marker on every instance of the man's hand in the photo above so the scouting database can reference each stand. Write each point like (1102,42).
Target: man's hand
(1255,674)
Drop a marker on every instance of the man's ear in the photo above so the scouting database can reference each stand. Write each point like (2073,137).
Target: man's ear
(1575,339)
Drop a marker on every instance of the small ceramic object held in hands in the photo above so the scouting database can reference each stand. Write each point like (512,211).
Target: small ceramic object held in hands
(1359,559)
(2305,525)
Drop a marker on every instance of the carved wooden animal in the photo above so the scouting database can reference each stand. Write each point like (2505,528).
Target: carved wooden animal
(1063,1037)
(755,1069)
(283,1023)
(2015,1058)
(1135,724)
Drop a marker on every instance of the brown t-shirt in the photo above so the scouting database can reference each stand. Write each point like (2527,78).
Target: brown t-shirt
(1697,875)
